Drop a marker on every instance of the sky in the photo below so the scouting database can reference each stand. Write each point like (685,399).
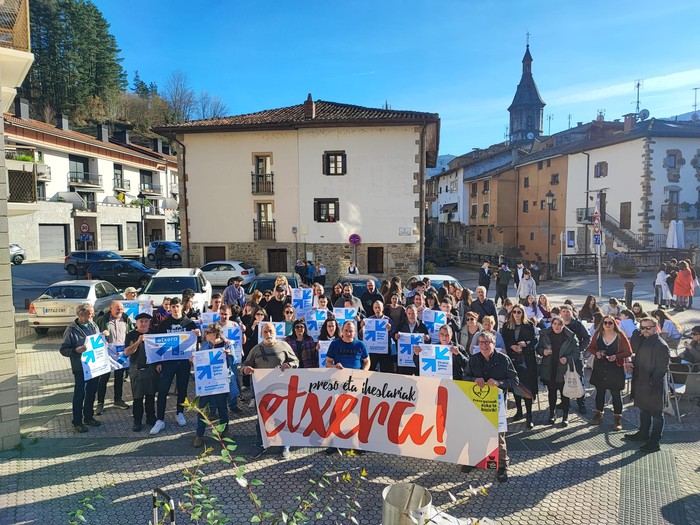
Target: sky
(459,58)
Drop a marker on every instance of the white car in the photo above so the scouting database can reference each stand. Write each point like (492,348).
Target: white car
(170,282)
(221,273)
(435,281)
(56,305)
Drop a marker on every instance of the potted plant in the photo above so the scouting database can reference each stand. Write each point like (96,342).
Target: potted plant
(628,269)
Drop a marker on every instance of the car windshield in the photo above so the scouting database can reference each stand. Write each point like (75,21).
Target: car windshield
(171,285)
(65,292)
(268,284)
(137,265)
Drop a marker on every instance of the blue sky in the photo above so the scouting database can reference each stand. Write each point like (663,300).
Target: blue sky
(458,58)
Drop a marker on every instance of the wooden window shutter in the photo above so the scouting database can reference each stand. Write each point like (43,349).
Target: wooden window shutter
(345,163)
(317,210)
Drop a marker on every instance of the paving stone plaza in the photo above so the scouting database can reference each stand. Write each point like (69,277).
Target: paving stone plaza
(576,475)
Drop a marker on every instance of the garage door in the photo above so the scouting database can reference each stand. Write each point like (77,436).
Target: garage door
(109,237)
(52,240)
(132,235)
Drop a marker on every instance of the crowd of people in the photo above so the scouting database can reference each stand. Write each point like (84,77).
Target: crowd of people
(524,342)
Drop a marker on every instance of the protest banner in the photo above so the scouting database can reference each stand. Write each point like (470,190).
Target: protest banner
(117,358)
(279,331)
(435,361)
(421,417)
(302,301)
(345,314)
(322,351)
(95,359)
(433,320)
(314,321)
(406,343)
(169,347)
(208,318)
(134,308)
(210,372)
(235,335)
(376,336)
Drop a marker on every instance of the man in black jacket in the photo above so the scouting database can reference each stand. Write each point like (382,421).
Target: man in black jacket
(503,278)
(583,338)
(371,296)
(483,306)
(492,368)
(485,275)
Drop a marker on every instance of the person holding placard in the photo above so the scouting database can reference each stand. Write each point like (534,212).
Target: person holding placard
(492,369)
(411,325)
(277,304)
(73,346)
(385,360)
(143,377)
(460,357)
(348,296)
(330,329)
(289,317)
(114,326)
(303,345)
(161,313)
(226,323)
(130,293)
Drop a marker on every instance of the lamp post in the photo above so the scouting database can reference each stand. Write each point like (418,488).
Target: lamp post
(550,200)
(141,197)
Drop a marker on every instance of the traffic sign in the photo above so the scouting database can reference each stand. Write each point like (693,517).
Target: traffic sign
(596,238)
(84,227)
(354,239)
(85,237)
(596,223)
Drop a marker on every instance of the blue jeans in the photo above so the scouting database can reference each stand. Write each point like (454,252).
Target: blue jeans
(172,369)
(233,391)
(83,398)
(645,423)
(217,401)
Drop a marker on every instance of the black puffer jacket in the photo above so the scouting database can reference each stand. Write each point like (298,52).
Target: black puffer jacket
(73,337)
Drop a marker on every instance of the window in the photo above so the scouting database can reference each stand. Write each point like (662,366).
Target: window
(600,170)
(543,205)
(549,162)
(570,239)
(453,186)
(262,164)
(264,211)
(77,165)
(485,210)
(671,161)
(487,186)
(474,189)
(526,182)
(539,165)
(118,171)
(474,211)
(532,236)
(553,239)
(554,178)
(526,206)
(326,210)
(489,235)
(334,163)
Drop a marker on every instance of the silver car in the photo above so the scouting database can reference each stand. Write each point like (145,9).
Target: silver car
(17,254)
(56,306)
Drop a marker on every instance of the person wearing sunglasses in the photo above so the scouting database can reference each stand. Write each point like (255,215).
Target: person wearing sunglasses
(611,348)
(303,345)
(649,368)
(691,354)
(520,341)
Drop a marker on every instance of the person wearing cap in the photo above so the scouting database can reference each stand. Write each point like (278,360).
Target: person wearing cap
(114,326)
(130,293)
(234,294)
(277,303)
(143,377)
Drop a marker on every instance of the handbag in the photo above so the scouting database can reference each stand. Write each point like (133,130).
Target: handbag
(573,388)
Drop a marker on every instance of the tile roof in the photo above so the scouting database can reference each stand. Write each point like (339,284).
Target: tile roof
(291,116)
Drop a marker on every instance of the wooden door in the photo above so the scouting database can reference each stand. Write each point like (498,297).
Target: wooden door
(626,215)
(214,253)
(375,260)
(277,260)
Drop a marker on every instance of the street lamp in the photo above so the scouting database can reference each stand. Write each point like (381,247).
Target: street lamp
(550,200)
(141,197)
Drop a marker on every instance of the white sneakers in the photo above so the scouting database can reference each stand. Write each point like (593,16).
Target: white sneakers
(160,425)
(181,419)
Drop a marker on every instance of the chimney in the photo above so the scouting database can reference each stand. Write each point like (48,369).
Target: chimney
(630,121)
(158,145)
(309,108)
(122,136)
(62,122)
(102,133)
(22,108)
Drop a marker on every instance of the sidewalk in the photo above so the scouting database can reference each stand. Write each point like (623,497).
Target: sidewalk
(580,475)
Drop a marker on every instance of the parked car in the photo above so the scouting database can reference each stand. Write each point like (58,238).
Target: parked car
(56,305)
(266,281)
(170,282)
(359,283)
(172,250)
(221,273)
(435,281)
(17,254)
(76,261)
(121,272)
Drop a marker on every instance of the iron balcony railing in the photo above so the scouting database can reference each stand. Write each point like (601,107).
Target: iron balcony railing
(14,25)
(149,187)
(122,184)
(264,230)
(680,212)
(584,215)
(81,178)
(263,183)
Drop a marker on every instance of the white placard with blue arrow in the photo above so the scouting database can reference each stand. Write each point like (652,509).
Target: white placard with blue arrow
(376,336)
(322,351)
(314,321)
(95,358)
(234,334)
(169,347)
(406,343)
(345,314)
(436,361)
(279,330)
(117,358)
(433,320)
(134,308)
(208,318)
(210,372)
(302,301)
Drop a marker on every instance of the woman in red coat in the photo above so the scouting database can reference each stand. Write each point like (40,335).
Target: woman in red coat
(683,286)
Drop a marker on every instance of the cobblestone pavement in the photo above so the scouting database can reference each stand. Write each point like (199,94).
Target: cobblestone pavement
(576,475)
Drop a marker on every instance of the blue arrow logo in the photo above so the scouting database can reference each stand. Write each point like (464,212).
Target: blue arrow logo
(430,364)
(131,309)
(89,356)
(381,325)
(204,371)
(171,343)
(370,335)
(442,352)
(97,342)
(217,358)
(440,318)
(299,303)
(234,334)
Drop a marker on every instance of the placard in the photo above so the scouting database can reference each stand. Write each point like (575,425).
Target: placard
(134,308)
(210,372)
(95,358)
(235,335)
(117,358)
(208,318)
(302,299)
(433,320)
(435,361)
(169,347)
(322,351)
(345,314)
(406,343)
(314,322)
(375,334)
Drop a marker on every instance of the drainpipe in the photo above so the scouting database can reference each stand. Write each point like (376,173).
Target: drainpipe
(585,207)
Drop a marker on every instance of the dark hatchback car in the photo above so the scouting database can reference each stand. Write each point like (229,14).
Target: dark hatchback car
(359,283)
(77,261)
(121,272)
(266,281)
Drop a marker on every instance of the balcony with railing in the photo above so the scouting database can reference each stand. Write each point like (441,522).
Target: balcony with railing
(14,25)
(584,215)
(263,183)
(153,211)
(151,188)
(121,184)
(84,208)
(25,159)
(680,212)
(81,178)
(264,230)
(174,188)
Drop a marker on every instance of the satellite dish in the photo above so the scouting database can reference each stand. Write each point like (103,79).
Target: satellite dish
(531,135)
(644,114)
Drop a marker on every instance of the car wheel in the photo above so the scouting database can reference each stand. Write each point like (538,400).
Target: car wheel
(17,259)
(176,257)
(151,257)
(143,282)
(72,269)
(40,330)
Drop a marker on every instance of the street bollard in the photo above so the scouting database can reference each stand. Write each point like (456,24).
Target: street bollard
(629,287)
(405,504)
